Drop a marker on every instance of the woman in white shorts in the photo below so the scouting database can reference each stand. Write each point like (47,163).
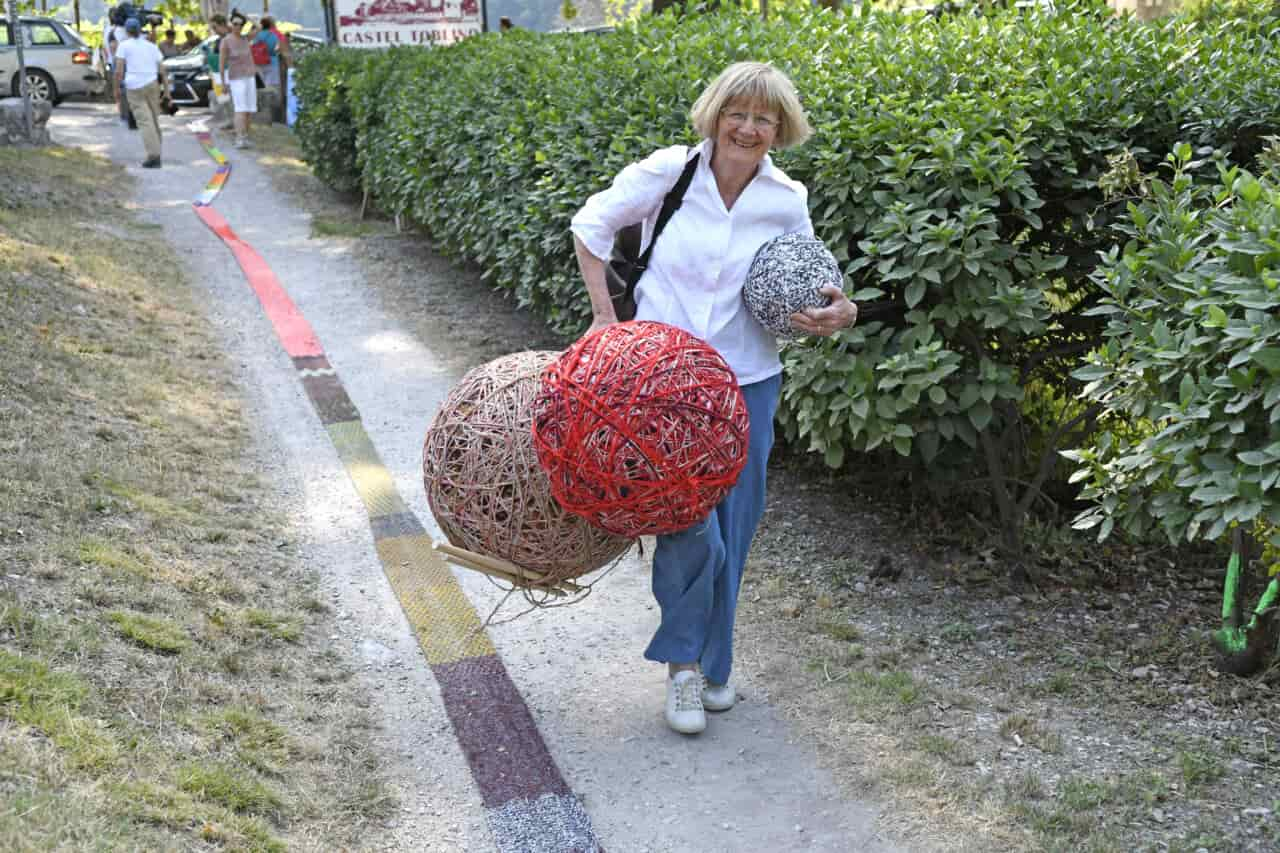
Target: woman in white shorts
(238,75)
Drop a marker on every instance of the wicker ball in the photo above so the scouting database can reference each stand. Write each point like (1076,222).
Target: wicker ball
(485,486)
(785,277)
(641,427)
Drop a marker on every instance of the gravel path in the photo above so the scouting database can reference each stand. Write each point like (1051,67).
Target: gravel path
(746,784)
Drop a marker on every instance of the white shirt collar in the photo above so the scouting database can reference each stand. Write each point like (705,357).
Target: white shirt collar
(767,170)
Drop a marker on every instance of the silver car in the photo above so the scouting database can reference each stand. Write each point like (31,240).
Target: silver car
(58,61)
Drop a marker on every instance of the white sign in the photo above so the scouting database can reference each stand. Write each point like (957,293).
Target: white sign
(386,23)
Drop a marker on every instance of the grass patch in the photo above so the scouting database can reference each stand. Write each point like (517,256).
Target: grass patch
(1080,795)
(158,635)
(1200,768)
(324,226)
(33,695)
(958,633)
(949,750)
(132,512)
(842,631)
(154,505)
(282,627)
(882,692)
(228,787)
(1026,786)
(917,773)
(1060,683)
(260,743)
(1020,728)
(96,552)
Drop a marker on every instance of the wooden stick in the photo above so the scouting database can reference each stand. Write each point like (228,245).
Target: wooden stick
(503,576)
(526,577)
(504,566)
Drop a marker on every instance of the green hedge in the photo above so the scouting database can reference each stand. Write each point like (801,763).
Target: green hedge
(955,170)
(1192,353)
(326,128)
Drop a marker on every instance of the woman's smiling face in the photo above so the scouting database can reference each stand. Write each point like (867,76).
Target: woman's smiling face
(745,132)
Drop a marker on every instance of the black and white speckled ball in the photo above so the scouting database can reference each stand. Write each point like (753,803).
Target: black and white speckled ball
(785,277)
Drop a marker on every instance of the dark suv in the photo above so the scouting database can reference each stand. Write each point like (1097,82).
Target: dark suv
(191,81)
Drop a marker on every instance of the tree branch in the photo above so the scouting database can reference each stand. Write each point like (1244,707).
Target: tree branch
(1049,456)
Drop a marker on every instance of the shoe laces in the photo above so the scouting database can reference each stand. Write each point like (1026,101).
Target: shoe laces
(689,694)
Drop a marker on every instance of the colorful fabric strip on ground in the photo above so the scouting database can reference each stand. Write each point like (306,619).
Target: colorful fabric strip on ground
(220,176)
(529,807)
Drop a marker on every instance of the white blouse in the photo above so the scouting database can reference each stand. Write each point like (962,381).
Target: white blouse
(695,276)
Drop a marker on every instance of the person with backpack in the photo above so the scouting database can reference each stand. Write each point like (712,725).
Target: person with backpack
(265,42)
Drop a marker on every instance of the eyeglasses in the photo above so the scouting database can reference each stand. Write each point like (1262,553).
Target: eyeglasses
(763,124)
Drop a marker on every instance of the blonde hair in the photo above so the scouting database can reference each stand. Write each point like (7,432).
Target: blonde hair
(758,82)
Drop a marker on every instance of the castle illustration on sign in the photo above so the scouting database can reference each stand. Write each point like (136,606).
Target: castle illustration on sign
(411,11)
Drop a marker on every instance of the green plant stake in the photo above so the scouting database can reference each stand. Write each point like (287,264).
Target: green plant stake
(1246,648)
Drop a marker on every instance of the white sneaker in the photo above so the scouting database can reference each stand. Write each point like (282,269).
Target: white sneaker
(241,142)
(684,703)
(718,697)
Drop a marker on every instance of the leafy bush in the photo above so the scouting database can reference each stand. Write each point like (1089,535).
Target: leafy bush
(1192,351)
(955,172)
(326,128)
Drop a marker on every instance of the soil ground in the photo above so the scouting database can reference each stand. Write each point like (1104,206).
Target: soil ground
(1085,713)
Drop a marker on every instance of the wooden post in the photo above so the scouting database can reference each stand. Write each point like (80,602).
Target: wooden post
(24,89)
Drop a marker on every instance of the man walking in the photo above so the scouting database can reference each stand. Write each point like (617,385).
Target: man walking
(138,64)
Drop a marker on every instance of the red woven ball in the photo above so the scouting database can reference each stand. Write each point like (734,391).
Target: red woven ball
(641,428)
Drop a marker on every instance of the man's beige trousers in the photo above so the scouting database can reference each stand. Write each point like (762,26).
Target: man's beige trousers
(145,103)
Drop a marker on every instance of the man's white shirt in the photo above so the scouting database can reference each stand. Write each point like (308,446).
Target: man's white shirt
(141,62)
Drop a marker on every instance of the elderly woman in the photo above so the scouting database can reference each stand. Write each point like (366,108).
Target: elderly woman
(737,201)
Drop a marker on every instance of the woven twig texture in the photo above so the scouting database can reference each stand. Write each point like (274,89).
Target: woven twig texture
(784,279)
(641,427)
(484,484)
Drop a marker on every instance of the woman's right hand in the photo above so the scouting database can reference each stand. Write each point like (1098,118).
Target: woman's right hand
(592,269)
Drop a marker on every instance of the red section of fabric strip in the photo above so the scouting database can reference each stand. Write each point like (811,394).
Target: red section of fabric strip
(291,327)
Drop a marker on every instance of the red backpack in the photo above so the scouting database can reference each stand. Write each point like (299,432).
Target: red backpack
(260,52)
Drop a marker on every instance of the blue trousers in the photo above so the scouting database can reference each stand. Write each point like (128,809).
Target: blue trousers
(697,572)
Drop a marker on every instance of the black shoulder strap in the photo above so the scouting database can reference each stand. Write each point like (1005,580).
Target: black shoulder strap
(670,205)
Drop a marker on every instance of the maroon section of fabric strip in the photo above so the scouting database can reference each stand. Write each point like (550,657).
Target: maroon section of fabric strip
(323,386)
(507,755)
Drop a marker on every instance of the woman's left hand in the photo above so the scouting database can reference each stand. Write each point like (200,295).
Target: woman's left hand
(825,322)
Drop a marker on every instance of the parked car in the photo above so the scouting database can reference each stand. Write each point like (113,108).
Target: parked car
(191,82)
(59,62)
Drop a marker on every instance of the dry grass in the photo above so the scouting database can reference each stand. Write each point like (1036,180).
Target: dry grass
(143,703)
